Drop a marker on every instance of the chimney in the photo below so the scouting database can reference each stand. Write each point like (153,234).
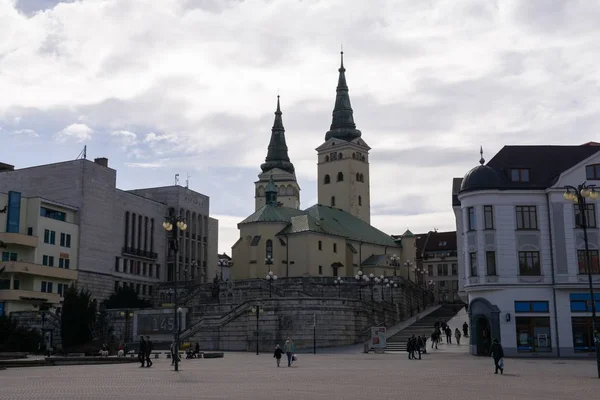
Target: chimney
(6,167)
(101,161)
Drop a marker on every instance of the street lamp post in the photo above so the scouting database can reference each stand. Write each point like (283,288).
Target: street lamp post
(271,278)
(579,196)
(223,263)
(392,285)
(359,279)
(257,310)
(394,259)
(174,224)
(338,282)
(408,264)
(381,280)
(126,314)
(371,280)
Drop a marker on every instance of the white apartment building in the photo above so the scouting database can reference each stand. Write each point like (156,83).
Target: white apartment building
(39,240)
(521,250)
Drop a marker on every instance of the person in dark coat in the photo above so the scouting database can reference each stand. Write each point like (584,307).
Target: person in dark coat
(410,348)
(278,354)
(424,338)
(466,329)
(497,353)
(148,352)
(142,351)
(419,345)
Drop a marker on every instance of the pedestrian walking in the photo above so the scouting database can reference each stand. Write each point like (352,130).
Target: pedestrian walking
(497,353)
(148,349)
(466,329)
(289,348)
(278,354)
(457,335)
(142,351)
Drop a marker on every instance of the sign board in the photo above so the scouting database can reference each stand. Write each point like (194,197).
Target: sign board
(64,255)
(157,323)
(378,337)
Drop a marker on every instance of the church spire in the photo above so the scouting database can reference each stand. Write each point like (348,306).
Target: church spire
(342,124)
(277,154)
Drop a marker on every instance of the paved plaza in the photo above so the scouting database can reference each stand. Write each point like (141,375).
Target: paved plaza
(443,375)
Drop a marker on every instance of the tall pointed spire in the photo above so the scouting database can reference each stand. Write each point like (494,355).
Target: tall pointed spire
(277,154)
(342,124)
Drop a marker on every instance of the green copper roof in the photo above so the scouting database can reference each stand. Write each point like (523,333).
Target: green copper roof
(277,153)
(272,213)
(342,124)
(408,233)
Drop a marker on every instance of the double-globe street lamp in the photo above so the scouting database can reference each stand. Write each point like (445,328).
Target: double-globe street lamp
(392,285)
(395,263)
(174,224)
(223,263)
(381,280)
(338,282)
(271,277)
(579,196)
(360,278)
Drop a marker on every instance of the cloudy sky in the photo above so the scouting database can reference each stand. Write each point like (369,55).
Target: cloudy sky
(189,87)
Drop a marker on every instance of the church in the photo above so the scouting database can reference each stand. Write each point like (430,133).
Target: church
(331,238)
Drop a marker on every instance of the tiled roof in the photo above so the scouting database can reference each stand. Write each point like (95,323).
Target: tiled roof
(375,259)
(436,242)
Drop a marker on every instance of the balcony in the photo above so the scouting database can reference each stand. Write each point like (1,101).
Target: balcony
(131,251)
(19,239)
(30,296)
(19,267)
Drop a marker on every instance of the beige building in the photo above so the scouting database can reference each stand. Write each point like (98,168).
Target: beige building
(437,257)
(39,240)
(331,238)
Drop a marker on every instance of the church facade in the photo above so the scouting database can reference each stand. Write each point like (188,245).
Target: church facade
(331,238)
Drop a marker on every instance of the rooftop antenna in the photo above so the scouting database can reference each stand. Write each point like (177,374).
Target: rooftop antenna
(187,182)
(83,154)
(176,179)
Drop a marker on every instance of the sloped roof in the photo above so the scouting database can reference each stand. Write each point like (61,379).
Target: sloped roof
(272,213)
(375,259)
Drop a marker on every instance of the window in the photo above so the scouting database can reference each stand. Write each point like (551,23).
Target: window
(526,217)
(116,285)
(592,172)
(580,302)
(581,258)
(59,289)
(533,334)
(439,270)
(16,284)
(13,216)
(362,177)
(357,174)
(488,217)
(30,231)
(471,211)
(8,256)
(519,175)
(445,269)
(335,271)
(46,236)
(4,284)
(158,271)
(327,180)
(473,263)
(61,263)
(46,287)
(332,201)
(335,247)
(150,270)
(149,290)
(52,237)
(53,214)
(144,290)
(137,288)
(529,263)
(590,216)
(359,201)
(490,262)
(65,240)
(454,269)
(145,269)
(583,334)
(532,307)
(320,245)
(131,266)
(320,270)
(269,249)
(117,264)
(48,260)
(67,263)
(340,177)
(430,270)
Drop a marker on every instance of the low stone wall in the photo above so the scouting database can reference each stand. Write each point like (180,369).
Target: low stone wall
(42,321)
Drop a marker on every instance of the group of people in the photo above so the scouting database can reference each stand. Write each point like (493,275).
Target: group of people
(289,349)
(416,344)
(144,352)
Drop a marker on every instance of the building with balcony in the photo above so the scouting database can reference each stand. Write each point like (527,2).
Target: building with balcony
(521,252)
(38,242)
(121,241)
(437,256)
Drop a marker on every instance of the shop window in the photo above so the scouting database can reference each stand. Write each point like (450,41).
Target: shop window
(583,334)
(533,334)
(580,302)
(532,307)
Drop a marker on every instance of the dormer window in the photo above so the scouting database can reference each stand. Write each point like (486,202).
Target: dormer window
(592,172)
(519,175)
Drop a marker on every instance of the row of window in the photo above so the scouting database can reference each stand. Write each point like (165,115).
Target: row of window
(50,238)
(48,287)
(333,201)
(62,262)
(135,267)
(340,178)
(527,217)
(529,263)
(442,270)
(140,289)
(321,246)
(9,256)
(53,214)
(339,156)
(133,238)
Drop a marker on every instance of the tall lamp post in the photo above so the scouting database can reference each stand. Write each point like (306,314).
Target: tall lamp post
(223,263)
(359,279)
(257,310)
(392,285)
(408,264)
(271,277)
(382,281)
(338,282)
(394,261)
(173,224)
(579,196)
(371,281)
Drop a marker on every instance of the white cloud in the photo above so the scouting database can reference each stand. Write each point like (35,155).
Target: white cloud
(25,133)
(201,77)
(77,132)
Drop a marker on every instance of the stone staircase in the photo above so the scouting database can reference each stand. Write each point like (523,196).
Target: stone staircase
(423,326)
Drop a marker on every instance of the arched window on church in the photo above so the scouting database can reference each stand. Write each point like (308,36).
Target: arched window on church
(340,156)
(332,201)
(269,249)
(353,155)
(327,179)
(363,158)
(340,177)
(359,201)
(326,158)
(362,178)
(357,177)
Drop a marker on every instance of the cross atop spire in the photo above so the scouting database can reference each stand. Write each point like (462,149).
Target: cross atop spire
(481,160)
(342,124)
(277,154)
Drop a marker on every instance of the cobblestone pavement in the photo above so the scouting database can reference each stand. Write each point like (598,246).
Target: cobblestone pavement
(445,376)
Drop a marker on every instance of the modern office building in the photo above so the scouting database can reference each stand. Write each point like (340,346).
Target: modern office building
(121,241)
(38,241)
(436,255)
(521,251)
